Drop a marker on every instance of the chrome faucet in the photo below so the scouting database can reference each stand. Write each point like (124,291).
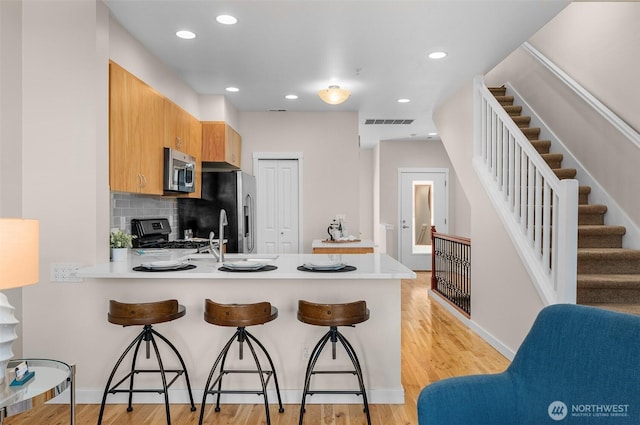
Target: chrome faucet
(219,252)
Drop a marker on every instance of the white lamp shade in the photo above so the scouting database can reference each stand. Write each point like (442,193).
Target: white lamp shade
(334,95)
(19,252)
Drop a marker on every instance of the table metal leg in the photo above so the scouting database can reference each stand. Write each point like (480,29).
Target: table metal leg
(72,396)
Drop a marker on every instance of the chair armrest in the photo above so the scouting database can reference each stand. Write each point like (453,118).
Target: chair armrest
(469,400)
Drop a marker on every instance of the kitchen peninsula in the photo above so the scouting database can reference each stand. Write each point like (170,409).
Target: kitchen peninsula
(377,341)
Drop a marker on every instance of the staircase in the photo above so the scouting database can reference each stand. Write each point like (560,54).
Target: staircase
(608,274)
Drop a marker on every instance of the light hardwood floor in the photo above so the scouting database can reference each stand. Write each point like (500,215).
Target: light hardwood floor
(434,346)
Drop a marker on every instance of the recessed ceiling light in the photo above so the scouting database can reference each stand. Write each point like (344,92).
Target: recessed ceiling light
(226,19)
(291,96)
(187,35)
(232,89)
(404,100)
(437,55)
(433,134)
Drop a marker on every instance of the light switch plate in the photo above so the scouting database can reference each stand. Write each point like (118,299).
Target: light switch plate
(65,272)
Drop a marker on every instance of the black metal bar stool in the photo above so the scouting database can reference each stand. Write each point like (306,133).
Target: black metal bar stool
(333,315)
(240,316)
(146,315)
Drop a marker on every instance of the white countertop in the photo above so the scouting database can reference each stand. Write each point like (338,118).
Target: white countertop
(318,243)
(368,266)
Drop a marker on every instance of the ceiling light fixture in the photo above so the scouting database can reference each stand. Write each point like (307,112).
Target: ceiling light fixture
(404,100)
(334,95)
(437,55)
(232,89)
(226,19)
(291,97)
(186,35)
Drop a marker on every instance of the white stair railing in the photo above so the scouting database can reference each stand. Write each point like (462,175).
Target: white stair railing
(539,210)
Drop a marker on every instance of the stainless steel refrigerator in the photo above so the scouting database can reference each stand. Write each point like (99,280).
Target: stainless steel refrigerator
(233,191)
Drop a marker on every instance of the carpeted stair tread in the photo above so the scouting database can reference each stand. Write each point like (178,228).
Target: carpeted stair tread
(618,307)
(565,173)
(498,91)
(542,146)
(583,194)
(591,214)
(531,133)
(589,280)
(521,120)
(600,236)
(608,261)
(505,100)
(513,109)
(614,288)
(554,160)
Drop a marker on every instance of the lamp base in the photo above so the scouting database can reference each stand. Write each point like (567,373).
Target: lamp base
(8,323)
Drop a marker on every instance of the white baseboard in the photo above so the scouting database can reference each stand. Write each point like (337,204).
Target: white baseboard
(479,330)
(180,396)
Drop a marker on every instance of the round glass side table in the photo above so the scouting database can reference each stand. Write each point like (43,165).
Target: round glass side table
(52,377)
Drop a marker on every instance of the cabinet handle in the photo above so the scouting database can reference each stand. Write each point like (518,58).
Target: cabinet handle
(143,181)
(178,142)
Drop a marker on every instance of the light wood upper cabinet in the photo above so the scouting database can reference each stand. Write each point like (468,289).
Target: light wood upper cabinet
(221,144)
(195,143)
(177,128)
(136,132)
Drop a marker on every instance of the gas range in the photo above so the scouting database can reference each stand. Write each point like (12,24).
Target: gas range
(154,233)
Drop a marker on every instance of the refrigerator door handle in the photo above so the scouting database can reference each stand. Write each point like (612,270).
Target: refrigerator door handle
(250,223)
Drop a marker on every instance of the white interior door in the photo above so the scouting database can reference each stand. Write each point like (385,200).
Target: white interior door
(278,206)
(423,203)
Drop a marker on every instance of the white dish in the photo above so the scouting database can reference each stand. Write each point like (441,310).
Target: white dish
(244,265)
(324,266)
(164,265)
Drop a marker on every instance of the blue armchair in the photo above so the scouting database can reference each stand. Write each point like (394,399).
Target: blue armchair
(578,365)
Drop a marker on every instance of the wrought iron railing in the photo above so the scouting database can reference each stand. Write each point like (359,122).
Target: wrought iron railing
(451,269)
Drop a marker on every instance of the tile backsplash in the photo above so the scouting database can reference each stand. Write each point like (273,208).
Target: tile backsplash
(125,206)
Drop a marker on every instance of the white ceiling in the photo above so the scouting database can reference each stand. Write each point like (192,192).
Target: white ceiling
(377,49)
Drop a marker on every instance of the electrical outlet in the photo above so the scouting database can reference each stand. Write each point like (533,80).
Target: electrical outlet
(65,272)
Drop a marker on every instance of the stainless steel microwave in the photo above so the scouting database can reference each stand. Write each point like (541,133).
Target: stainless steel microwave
(179,171)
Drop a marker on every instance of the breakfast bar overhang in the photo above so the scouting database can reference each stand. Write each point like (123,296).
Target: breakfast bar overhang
(376,280)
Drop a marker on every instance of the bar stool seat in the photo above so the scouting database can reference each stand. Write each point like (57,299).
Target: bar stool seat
(240,316)
(333,315)
(145,315)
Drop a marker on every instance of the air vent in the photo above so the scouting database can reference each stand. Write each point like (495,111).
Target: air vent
(387,121)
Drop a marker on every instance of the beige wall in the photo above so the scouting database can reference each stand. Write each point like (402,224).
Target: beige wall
(500,285)
(11,132)
(331,162)
(414,154)
(65,171)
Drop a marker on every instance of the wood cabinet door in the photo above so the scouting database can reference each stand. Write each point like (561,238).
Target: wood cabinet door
(151,136)
(233,145)
(177,131)
(124,152)
(195,143)
(213,141)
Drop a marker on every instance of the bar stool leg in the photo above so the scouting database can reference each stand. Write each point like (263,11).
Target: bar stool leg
(136,340)
(223,372)
(315,354)
(273,370)
(145,336)
(262,381)
(184,367)
(356,364)
(164,379)
(213,369)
